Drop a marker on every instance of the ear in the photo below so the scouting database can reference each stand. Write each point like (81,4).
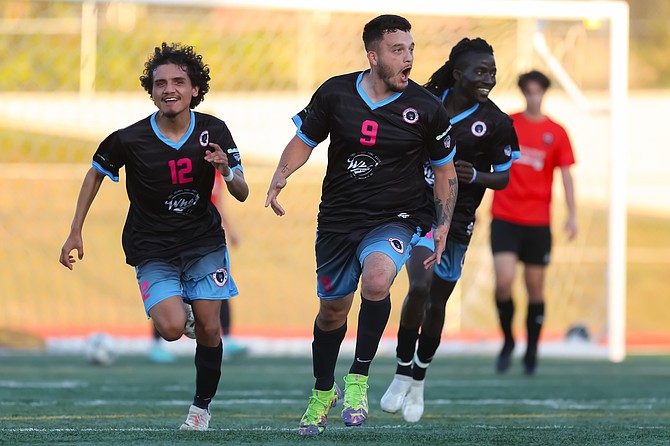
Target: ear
(372,58)
(457,74)
(196,90)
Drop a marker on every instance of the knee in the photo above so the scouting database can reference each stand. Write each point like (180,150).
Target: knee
(436,305)
(419,291)
(171,331)
(375,287)
(330,316)
(209,331)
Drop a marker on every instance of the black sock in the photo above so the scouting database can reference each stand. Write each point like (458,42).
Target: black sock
(372,319)
(424,355)
(405,350)
(325,349)
(207,374)
(506,314)
(534,321)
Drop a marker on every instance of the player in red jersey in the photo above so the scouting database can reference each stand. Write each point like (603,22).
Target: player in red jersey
(520,229)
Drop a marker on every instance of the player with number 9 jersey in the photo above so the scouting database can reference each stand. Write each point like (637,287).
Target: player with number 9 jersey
(375,174)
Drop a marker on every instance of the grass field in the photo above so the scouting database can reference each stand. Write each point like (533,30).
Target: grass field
(61,399)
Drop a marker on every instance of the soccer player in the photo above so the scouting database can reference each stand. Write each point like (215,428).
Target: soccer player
(486,145)
(521,216)
(374,204)
(173,235)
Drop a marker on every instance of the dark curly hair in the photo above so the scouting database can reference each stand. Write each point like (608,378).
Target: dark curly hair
(187,59)
(443,78)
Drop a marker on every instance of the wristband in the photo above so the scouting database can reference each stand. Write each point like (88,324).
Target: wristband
(230,176)
(474,175)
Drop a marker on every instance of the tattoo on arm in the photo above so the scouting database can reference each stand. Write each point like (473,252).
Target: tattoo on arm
(446,210)
(284,168)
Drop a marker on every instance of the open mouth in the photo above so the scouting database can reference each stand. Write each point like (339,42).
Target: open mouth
(404,74)
(484,91)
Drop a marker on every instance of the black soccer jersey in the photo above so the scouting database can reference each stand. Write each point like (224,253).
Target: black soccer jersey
(486,138)
(374,174)
(169,186)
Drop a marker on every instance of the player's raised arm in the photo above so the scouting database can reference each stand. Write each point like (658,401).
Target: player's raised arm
(445,192)
(89,189)
(296,153)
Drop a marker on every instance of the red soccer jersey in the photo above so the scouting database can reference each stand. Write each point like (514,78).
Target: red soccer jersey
(544,146)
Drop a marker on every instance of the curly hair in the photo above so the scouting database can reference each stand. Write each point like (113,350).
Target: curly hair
(443,78)
(187,59)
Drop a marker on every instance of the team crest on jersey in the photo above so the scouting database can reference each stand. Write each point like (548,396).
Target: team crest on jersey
(478,128)
(397,245)
(220,277)
(447,142)
(204,138)
(547,138)
(182,201)
(508,150)
(428,174)
(362,164)
(410,115)
(235,152)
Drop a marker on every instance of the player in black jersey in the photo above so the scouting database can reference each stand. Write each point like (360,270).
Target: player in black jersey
(374,205)
(486,146)
(173,235)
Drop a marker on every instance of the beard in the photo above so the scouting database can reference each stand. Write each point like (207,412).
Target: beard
(387,76)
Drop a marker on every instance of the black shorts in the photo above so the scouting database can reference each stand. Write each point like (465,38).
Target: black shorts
(532,244)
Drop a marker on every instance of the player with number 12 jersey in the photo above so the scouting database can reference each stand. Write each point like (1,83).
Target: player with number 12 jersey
(169,186)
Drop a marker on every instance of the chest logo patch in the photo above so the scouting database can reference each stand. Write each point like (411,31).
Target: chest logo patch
(548,138)
(361,165)
(478,128)
(204,138)
(182,201)
(410,115)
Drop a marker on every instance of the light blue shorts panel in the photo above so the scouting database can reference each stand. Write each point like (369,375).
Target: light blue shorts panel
(206,278)
(452,261)
(339,257)
(396,241)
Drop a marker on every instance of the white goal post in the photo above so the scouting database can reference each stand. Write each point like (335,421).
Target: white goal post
(613,12)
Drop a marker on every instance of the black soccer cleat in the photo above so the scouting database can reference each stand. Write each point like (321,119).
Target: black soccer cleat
(504,360)
(530,363)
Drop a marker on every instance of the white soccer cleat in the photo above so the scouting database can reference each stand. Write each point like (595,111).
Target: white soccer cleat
(189,326)
(197,419)
(395,395)
(412,408)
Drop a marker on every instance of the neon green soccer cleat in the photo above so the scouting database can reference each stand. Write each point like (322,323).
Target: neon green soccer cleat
(355,402)
(313,422)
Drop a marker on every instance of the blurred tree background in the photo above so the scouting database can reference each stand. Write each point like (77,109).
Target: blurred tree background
(649,44)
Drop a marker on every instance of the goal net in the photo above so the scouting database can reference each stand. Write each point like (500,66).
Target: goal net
(70,76)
